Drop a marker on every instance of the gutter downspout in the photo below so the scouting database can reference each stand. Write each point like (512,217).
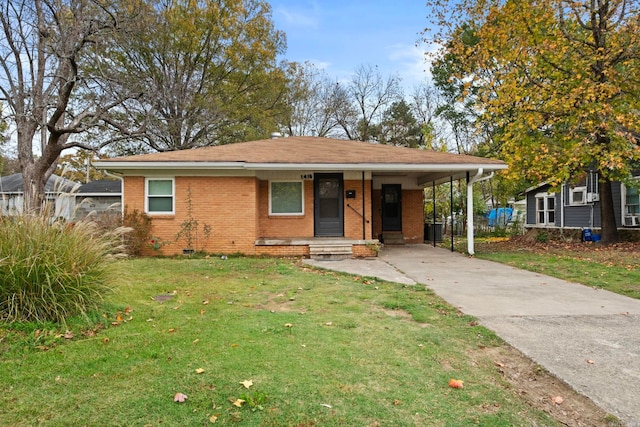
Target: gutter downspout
(477,178)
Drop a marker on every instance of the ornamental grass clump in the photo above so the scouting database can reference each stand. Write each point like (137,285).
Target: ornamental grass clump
(50,271)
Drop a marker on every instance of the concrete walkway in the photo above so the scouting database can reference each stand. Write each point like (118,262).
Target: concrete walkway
(558,324)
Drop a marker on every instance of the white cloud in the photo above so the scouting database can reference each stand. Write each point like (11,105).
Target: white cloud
(298,18)
(411,62)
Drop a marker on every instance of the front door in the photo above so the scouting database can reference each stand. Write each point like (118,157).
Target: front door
(391,207)
(329,206)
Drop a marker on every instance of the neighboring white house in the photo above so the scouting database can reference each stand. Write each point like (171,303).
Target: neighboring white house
(69,200)
(58,192)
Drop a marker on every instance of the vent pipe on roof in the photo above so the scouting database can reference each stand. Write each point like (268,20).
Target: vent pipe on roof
(275,135)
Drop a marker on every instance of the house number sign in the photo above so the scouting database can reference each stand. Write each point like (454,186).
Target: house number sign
(306,176)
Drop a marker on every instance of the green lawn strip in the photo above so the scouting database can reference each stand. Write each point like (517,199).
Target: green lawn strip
(321,348)
(615,278)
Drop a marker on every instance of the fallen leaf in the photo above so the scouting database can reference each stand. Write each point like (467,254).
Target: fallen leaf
(328,324)
(590,362)
(179,397)
(202,312)
(128,310)
(453,383)
(68,335)
(557,400)
(288,325)
(119,318)
(199,371)
(172,330)
(105,340)
(205,302)
(213,418)
(396,402)
(238,403)
(247,383)
(196,341)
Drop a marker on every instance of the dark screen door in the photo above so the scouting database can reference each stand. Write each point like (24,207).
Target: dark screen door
(391,207)
(329,218)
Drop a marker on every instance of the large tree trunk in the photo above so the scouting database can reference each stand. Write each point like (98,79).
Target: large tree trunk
(609,230)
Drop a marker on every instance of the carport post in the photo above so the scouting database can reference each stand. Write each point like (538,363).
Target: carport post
(450,209)
(433,186)
(470,182)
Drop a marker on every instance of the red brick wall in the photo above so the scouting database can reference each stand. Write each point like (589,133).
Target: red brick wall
(237,209)
(412,216)
(227,204)
(352,220)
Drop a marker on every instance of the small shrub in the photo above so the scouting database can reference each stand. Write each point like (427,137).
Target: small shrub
(52,271)
(140,234)
(542,237)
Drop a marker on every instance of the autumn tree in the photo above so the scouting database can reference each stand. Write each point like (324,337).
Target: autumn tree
(76,166)
(206,72)
(45,87)
(558,79)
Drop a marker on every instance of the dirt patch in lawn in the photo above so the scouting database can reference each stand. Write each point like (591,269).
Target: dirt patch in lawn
(543,391)
(277,303)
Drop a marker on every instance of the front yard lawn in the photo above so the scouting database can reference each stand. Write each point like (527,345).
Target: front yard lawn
(261,342)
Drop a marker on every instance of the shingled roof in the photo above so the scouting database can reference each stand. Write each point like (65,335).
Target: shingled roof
(306,150)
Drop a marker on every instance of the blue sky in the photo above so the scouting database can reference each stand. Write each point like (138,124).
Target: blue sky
(339,35)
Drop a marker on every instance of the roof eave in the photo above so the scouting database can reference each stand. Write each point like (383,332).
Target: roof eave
(374,167)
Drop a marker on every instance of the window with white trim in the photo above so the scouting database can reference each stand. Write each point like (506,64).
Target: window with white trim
(578,195)
(159,196)
(286,198)
(631,197)
(545,208)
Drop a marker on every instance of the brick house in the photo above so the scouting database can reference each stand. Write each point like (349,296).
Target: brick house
(295,196)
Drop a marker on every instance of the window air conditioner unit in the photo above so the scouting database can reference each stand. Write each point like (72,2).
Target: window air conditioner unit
(593,197)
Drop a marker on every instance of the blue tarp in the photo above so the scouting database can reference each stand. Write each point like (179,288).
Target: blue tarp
(499,216)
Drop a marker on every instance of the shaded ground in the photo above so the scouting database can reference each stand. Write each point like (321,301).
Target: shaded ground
(625,255)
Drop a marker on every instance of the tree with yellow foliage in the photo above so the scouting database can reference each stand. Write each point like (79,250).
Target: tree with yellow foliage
(558,81)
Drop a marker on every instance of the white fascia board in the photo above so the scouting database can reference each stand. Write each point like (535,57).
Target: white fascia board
(374,167)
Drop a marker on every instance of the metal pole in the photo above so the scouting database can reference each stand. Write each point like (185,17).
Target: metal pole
(434,213)
(451,208)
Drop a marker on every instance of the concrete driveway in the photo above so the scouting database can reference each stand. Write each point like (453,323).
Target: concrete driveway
(587,337)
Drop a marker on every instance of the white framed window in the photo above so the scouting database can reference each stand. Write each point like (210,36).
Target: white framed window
(578,195)
(159,196)
(286,198)
(545,208)
(631,208)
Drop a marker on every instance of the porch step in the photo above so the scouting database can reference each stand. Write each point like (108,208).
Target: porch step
(330,251)
(393,238)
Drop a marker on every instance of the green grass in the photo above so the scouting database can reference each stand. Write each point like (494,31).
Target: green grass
(615,268)
(321,348)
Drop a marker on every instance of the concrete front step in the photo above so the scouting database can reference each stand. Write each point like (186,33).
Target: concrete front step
(330,251)
(393,238)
